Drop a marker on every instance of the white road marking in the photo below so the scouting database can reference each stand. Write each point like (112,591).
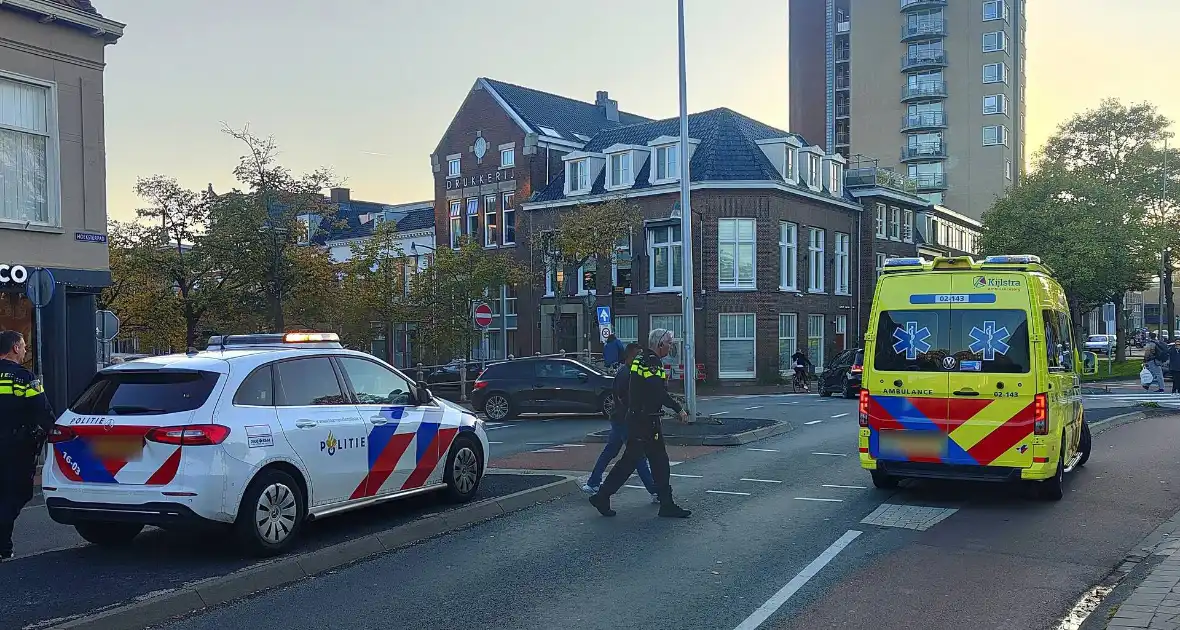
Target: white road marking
(675,463)
(814,422)
(737,494)
(760,480)
(818,499)
(718,413)
(763,450)
(839,415)
(790,402)
(755,407)
(503,426)
(777,600)
(635,487)
(538,443)
(570,445)
(832,454)
(548,450)
(495,442)
(686,476)
(832,485)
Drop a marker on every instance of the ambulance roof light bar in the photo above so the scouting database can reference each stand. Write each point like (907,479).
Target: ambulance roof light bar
(1008,259)
(904,262)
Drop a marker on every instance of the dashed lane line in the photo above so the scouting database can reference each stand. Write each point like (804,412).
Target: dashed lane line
(832,454)
(752,408)
(760,480)
(763,450)
(832,485)
(548,450)
(839,415)
(718,413)
(790,402)
(819,499)
(736,494)
(814,422)
(686,476)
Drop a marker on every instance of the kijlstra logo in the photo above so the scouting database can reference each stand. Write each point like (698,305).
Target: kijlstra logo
(984,282)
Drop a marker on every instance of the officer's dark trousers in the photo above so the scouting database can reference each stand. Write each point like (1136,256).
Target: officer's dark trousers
(17,467)
(644,439)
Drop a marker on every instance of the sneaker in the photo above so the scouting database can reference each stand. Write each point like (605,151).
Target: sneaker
(589,489)
(671,510)
(655,499)
(602,504)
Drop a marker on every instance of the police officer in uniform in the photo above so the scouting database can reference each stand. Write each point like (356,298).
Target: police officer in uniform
(647,395)
(25,419)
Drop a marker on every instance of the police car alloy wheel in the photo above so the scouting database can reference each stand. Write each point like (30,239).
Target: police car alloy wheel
(464,469)
(271,513)
(496,407)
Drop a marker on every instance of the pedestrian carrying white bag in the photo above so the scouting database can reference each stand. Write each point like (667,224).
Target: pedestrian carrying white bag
(1145,377)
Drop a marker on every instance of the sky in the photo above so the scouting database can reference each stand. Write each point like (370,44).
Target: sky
(367,87)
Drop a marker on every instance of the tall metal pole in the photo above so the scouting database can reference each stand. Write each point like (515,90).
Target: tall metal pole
(690,360)
(1160,320)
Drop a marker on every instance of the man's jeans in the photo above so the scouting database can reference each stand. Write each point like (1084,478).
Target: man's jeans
(1157,375)
(614,443)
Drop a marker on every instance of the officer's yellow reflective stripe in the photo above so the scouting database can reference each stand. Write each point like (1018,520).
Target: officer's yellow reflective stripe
(6,390)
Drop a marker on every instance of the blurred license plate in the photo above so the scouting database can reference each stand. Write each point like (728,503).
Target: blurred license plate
(118,448)
(914,443)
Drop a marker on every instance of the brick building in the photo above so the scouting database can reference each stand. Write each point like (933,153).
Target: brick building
(504,143)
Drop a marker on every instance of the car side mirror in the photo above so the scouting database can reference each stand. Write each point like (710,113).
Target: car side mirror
(1089,363)
(422,394)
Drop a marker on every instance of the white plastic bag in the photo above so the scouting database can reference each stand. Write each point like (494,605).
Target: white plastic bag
(1145,377)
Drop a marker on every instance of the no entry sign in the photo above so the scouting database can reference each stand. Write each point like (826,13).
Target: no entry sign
(483,315)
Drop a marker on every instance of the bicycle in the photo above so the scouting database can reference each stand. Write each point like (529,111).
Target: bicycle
(800,383)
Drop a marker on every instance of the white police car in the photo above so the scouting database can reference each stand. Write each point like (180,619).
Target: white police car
(261,432)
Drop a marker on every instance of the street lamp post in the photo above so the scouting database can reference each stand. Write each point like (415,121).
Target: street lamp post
(690,362)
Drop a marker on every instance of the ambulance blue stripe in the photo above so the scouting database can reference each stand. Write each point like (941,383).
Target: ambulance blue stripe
(953,298)
(956,455)
(905,413)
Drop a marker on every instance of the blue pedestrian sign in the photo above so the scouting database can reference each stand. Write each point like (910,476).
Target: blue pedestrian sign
(604,316)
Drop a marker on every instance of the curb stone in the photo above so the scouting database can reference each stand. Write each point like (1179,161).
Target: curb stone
(731,439)
(270,574)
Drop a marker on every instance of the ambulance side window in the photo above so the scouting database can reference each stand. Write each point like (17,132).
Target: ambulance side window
(1054,348)
(1066,340)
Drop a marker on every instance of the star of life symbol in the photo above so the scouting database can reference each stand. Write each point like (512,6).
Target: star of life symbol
(911,340)
(988,341)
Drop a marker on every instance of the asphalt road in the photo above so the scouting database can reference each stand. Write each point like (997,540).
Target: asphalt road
(777,528)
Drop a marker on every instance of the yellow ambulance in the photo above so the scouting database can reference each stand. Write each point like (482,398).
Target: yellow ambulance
(971,372)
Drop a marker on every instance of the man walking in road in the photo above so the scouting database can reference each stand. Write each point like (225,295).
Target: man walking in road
(612,351)
(25,418)
(1155,355)
(647,390)
(618,430)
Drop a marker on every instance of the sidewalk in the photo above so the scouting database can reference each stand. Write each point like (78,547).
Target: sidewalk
(1155,603)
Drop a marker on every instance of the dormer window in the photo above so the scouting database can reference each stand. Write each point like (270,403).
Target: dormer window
(668,162)
(577,176)
(620,174)
(835,178)
(789,172)
(813,171)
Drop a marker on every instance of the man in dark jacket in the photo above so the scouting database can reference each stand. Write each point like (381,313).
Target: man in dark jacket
(25,418)
(1174,365)
(618,430)
(648,395)
(613,351)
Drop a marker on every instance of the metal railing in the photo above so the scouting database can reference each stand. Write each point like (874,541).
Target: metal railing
(926,59)
(931,150)
(925,89)
(907,5)
(923,120)
(930,181)
(923,28)
(843,54)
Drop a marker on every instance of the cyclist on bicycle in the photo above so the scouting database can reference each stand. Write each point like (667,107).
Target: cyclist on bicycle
(800,363)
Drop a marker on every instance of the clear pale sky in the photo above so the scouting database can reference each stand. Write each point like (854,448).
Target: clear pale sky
(367,87)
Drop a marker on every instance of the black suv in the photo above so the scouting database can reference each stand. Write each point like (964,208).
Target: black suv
(542,385)
(842,374)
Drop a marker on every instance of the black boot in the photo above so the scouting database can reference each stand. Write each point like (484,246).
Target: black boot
(601,502)
(669,509)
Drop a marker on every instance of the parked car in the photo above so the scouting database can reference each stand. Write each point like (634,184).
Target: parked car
(842,374)
(1101,344)
(542,385)
(450,373)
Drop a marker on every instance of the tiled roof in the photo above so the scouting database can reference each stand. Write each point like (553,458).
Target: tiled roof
(728,149)
(347,222)
(81,5)
(564,115)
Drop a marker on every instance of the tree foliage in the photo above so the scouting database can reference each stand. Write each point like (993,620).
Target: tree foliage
(378,282)
(139,294)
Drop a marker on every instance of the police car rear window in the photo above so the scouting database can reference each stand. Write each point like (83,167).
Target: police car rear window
(953,340)
(145,393)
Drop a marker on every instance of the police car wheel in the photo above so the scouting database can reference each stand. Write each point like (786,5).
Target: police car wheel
(1084,444)
(464,469)
(607,405)
(497,407)
(271,514)
(108,534)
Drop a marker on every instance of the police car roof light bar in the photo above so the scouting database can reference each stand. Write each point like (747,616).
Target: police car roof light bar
(275,340)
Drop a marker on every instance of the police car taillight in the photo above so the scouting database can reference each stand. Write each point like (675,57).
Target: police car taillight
(189,435)
(60,434)
(1041,415)
(864,407)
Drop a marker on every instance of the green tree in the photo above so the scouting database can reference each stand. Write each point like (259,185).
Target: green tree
(378,282)
(1081,227)
(140,293)
(443,296)
(587,236)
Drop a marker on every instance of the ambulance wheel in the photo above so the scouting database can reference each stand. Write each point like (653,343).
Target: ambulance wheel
(271,514)
(883,481)
(1053,489)
(1085,444)
(464,469)
(108,534)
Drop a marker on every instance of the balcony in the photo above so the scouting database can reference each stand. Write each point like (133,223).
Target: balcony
(923,29)
(867,173)
(843,110)
(843,55)
(928,60)
(926,90)
(842,139)
(923,121)
(843,83)
(843,27)
(915,5)
(930,182)
(926,151)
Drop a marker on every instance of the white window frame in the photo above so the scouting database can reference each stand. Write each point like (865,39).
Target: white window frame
(835,178)
(788,331)
(454,166)
(752,339)
(882,219)
(727,281)
(634,319)
(627,175)
(675,259)
(999,10)
(999,45)
(999,135)
(660,155)
(582,169)
(508,157)
(843,264)
(880,261)
(506,200)
(814,178)
(1000,72)
(788,252)
(791,165)
(1008,169)
(841,330)
(907,225)
(818,359)
(456,222)
(624,245)
(815,260)
(1000,105)
(582,288)
(490,205)
(52,151)
(894,223)
(472,203)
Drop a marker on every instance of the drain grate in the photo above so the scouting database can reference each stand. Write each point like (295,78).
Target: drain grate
(916,517)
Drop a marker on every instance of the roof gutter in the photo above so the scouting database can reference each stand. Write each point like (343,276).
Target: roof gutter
(664,189)
(95,25)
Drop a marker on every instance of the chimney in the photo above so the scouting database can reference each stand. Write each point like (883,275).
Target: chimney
(338,195)
(610,108)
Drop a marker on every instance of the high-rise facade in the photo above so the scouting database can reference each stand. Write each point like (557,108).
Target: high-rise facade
(931,88)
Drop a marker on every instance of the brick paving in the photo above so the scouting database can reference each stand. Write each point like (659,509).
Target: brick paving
(1155,603)
(581,456)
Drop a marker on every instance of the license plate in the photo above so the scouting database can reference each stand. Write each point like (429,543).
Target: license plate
(924,444)
(118,448)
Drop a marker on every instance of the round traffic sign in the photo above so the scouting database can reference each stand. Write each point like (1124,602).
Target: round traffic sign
(483,315)
(605,332)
